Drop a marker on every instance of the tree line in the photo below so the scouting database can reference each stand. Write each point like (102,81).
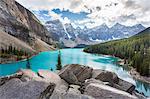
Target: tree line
(11,50)
(135,50)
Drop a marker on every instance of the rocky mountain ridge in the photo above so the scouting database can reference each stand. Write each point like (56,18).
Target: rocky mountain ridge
(19,22)
(75,36)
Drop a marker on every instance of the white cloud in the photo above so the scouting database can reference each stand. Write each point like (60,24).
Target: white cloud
(54,15)
(127,12)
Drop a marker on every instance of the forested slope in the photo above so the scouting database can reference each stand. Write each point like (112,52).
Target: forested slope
(136,50)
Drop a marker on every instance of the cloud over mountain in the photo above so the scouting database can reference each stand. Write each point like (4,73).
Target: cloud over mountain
(94,12)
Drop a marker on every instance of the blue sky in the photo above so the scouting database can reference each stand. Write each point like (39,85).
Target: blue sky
(91,13)
(70,15)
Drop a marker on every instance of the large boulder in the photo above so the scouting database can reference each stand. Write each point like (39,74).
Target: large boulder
(51,77)
(101,91)
(28,75)
(96,72)
(113,80)
(89,81)
(105,76)
(125,86)
(16,89)
(75,74)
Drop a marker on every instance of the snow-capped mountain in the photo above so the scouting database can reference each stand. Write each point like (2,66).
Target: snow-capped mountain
(71,36)
(56,28)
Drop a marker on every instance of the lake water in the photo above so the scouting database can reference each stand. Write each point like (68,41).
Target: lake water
(48,60)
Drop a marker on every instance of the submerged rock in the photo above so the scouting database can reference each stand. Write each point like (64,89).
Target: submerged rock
(75,74)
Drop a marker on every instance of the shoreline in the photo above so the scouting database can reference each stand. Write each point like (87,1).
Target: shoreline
(137,76)
(120,62)
(10,61)
(132,71)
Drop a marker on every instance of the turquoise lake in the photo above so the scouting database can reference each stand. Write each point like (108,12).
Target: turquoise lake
(48,60)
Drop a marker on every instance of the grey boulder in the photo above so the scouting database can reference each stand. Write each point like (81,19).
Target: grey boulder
(124,86)
(106,76)
(100,91)
(16,89)
(58,95)
(75,74)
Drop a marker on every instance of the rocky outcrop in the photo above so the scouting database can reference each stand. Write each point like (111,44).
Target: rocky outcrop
(75,74)
(99,91)
(72,82)
(17,21)
(125,86)
(113,80)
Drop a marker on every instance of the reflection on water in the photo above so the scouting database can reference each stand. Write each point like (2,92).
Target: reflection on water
(48,60)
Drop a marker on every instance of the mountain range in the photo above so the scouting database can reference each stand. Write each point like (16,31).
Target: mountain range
(71,37)
(20,28)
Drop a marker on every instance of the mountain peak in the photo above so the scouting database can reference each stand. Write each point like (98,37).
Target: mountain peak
(139,26)
(104,25)
(118,25)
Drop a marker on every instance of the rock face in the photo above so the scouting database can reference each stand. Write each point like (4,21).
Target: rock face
(75,74)
(99,91)
(17,21)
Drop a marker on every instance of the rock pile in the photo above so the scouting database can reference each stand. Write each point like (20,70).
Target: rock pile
(72,82)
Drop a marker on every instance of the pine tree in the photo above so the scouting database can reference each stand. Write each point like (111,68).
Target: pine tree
(28,66)
(59,65)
